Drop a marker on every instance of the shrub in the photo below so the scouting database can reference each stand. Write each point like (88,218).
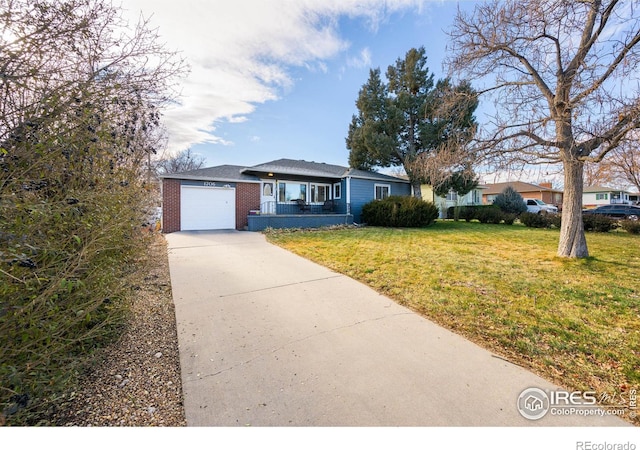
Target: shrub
(489,215)
(508,219)
(598,223)
(510,201)
(631,226)
(471,212)
(468,213)
(535,220)
(555,219)
(399,211)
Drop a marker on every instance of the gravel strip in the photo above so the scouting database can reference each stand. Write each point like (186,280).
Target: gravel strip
(137,382)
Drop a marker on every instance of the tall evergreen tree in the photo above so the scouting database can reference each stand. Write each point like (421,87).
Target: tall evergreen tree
(408,116)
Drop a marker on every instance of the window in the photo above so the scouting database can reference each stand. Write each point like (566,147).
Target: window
(382,191)
(320,192)
(452,196)
(602,196)
(477,198)
(337,191)
(289,191)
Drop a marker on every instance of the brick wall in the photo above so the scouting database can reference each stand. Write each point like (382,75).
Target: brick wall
(170,205)
(247,198)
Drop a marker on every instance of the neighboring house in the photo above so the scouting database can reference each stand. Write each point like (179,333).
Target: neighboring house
(452,198)
(594,196)
(279,194)
(542,191)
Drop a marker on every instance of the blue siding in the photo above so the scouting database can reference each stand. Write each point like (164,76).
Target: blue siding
(341,203)
(261,222)
(363,191)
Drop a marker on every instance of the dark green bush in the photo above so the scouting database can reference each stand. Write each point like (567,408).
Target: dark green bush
(467,213)
(399,211)
(489,215)
(598,223)
(510,201)
(555,219)
(508,219)
(631,226)
(535,220)
(471,212)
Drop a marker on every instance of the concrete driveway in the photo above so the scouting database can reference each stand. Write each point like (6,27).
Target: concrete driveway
(270,339)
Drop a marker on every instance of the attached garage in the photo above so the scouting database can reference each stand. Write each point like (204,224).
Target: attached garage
(214,198)
(207,208)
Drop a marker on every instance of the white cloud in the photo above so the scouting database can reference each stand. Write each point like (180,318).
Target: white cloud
(240,52)
(362,60)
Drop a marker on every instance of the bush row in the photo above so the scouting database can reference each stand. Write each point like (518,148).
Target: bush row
(400,211)
(596,223)
(540,220)
(481,213)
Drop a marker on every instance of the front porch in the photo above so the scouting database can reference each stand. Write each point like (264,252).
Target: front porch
(259,222)
(297,214)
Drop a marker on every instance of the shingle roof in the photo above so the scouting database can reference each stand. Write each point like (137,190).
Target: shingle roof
(217,173)
(299,167)
(356,173)
(281,167)
(601,189)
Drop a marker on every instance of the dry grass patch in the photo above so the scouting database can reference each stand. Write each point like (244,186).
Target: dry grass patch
(575,322)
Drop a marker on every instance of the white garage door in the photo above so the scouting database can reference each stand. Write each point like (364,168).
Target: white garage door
(207,208)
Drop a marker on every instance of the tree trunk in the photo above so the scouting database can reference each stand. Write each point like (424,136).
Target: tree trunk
(573,243)
(417,189)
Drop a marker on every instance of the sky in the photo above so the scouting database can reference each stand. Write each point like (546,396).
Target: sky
(279,78)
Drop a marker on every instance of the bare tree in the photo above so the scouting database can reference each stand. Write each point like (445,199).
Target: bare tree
(565,86)
(624,164)
(600,174)
(181,162)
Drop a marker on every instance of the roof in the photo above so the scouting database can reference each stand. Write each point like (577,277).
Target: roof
(217,173)
(356,173)
(602,189)
(299,167)
(519,186)
(280,167)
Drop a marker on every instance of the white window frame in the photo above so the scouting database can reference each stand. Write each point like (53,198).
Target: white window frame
(452,196)
(337,191)
(477,197)
(375,190)
(285,182)
(313,191)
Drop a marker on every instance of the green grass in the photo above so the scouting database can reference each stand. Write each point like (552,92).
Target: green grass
(575,322)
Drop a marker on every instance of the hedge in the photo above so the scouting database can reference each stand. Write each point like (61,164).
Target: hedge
(399,211)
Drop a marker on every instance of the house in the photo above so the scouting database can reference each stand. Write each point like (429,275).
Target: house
(594,196)
(542,191)
(284,193)
(452,198)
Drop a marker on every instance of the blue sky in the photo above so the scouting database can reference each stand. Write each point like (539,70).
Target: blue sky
(279,79)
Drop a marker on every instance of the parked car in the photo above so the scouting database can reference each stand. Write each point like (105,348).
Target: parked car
(629,212)
(537,206)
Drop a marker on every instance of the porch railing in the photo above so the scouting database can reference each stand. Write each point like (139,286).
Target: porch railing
(272,207)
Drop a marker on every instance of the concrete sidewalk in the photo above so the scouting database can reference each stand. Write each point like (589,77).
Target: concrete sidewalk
(270,339)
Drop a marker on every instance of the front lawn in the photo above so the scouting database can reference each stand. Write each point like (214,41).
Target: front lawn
(574,322)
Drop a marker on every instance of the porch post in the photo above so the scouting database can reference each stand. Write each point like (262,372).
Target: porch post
(348,193)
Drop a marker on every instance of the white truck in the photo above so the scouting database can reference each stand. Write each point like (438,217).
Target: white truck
(537,206)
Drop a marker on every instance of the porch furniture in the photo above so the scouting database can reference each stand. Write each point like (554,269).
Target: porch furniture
(303,205)
(327,206)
